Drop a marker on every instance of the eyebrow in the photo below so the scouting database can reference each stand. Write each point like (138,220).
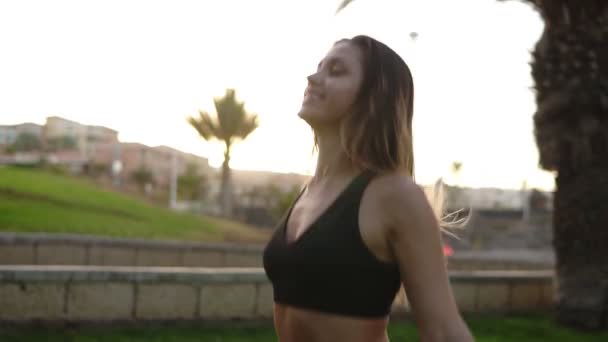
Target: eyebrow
(332,59)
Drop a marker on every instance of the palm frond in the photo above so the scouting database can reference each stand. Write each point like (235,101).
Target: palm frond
(205,126)
(249,124)
(233,121)
(230,113)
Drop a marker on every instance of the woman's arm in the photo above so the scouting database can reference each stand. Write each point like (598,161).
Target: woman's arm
(415,241)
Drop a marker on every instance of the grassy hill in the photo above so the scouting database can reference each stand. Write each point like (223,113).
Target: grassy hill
(37,201)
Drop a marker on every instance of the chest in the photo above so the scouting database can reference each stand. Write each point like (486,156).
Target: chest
(306,213)
(332,226)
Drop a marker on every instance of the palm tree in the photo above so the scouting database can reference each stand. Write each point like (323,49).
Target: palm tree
(570,71)
(232,123)
(455,190)
(456,167)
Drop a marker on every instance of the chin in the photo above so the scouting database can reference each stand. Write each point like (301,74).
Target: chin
(316,122)
(317,118)
(308,115)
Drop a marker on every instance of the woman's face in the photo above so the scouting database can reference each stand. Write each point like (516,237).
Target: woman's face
(333,89)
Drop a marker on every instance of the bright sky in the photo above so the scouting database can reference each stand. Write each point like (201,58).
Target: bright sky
(141,67)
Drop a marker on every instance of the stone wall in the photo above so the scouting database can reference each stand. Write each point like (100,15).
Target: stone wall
(505,259)
(65,249)
(59,249)
(133,294)
(114,293)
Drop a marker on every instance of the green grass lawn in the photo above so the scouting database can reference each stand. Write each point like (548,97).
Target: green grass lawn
(36,201)
(485,329)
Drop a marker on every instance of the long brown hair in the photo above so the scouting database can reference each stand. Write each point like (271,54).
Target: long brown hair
(377,135)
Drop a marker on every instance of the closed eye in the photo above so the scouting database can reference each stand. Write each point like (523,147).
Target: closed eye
(335,66)
(336,69)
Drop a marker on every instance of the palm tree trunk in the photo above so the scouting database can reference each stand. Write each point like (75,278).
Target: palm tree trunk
(226,192)
(581,245)
(570,71)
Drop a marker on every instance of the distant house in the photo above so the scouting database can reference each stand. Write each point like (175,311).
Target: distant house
(245,180)
(497,199)
(9,133)
(94,149)
(157,160)
(86,137)
(74,161)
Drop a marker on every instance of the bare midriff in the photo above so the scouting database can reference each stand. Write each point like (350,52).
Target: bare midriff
(300,325)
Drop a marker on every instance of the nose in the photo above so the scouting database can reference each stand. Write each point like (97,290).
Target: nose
(314,79)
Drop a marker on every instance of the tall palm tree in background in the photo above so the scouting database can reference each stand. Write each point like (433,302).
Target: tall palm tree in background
(570,71)
(231,124)
(455,191)
(456,168)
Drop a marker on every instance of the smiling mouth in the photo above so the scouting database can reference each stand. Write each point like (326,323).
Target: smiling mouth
(313,95)
(310,96)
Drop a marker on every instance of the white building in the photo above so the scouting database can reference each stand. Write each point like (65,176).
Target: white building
(9,133)
(87,137)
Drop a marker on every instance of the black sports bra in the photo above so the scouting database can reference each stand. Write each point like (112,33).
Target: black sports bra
(329,268)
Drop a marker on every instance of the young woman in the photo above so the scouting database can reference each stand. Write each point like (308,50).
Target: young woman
(362,226)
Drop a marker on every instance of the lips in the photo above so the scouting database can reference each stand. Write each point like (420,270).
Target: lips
(314,94)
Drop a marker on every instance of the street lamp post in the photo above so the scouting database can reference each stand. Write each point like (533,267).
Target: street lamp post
(116,165)
(173,181)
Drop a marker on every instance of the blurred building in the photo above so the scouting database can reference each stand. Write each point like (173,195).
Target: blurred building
(501,218)
(95,150)
(490,198)
(86,137)
(246,180)
(9,133)
(157,160)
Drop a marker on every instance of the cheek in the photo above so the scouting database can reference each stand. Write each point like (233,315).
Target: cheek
(344,98)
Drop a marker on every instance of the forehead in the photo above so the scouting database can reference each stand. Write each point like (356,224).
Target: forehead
(343,51)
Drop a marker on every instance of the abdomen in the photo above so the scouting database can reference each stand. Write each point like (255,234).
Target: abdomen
(297,325)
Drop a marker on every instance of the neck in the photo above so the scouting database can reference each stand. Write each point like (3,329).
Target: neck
(332,161)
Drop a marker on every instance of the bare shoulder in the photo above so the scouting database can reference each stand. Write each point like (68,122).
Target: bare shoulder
(398,191)
(389,185)
(403,202)
(415,243)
